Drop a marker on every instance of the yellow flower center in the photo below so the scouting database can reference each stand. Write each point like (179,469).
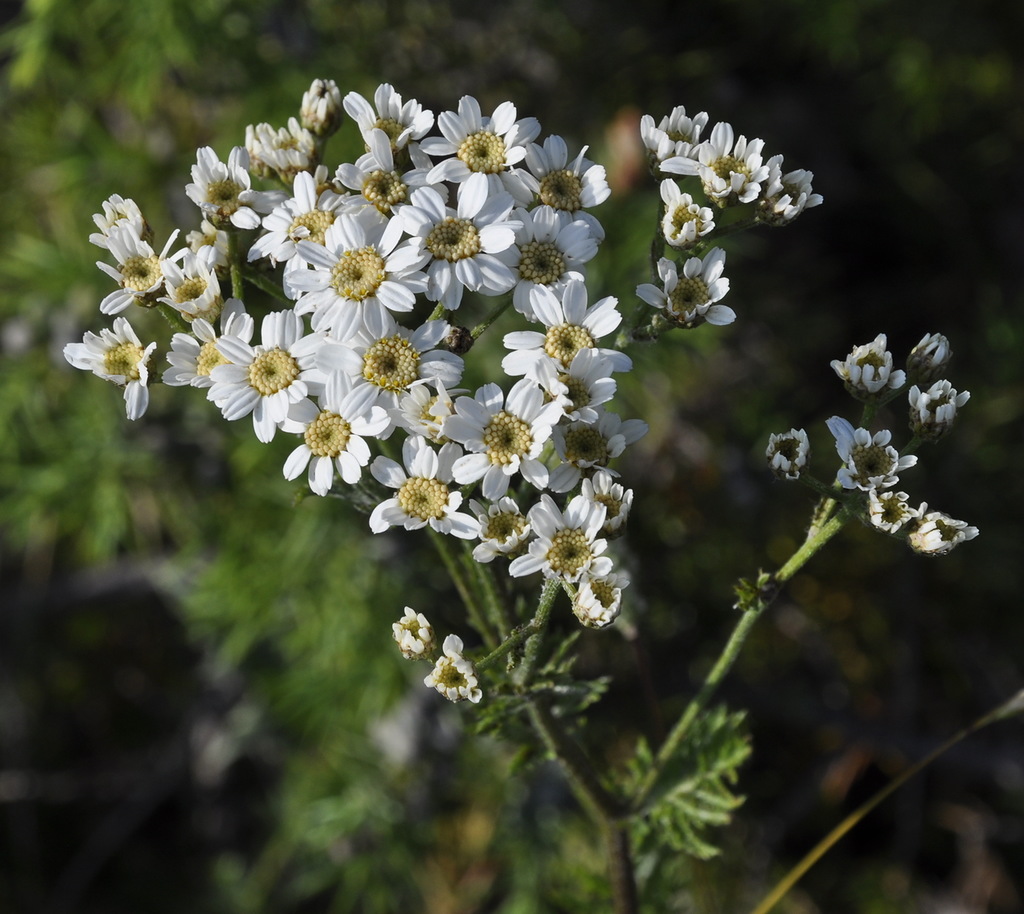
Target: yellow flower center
(541,262)
(358,274)
(504,526)
(565,340)
(328,435)
(141,273)
(507,437)
(272,371)
(223,195)
(209,358)
(483,151)
(123,359)
(385,189)
(453,239)
(562,190)
(569,553)
(317,222)
(423,498)
(391,363)
(687,296)
(586,445)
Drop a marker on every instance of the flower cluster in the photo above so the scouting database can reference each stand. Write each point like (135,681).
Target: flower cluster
(871,465)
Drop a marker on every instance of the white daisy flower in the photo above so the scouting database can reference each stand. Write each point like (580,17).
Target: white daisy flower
(423,495)
(191,285)
(267,379)
(405,124)
(119,212)
(785,196)
(467,248)
(482,145)
(361,272)
(730,167)
(333,433)
(571,326)
(868,370)
(599,599)
(567,544)
(929,358)
(583,446)
(423,412)
(193,356)
(691,299)
(283,151)
(223,191)
(413,634)
(504,529)
(871,462)
(375,177)
(932,411)
(117,356)
(320,111)
(305,216)
(504,436)
(617,500)
(453,675)
(674,136)
(788,453)
(684,222)
(208,236)
(935,533)
(552,249)
(579,389)
(395,360)
(562,186)
(139,271)
(889,511)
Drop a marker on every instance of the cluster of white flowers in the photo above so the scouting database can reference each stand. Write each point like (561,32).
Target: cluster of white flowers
(870,463)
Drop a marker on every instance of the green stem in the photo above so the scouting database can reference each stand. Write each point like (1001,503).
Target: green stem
(517,637)
(497,606)
(265,283)
(234,265)
(540,624)
(768,589)
(480,328)
(1006,709)
(460,579)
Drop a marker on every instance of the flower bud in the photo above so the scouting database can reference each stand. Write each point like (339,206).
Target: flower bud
(867,371)
(932,411)
(321,108)
(788,453)
(414,635)
(935,533)
(929,358)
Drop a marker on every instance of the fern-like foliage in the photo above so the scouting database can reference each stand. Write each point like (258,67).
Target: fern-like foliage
(695,790)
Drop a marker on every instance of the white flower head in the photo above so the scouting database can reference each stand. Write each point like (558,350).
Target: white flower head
(504,436)
(334,433)
(581,388)
(571,326)
(422,411)
(785,196)
(423,495)
(394,360)
(691,299)
(674,136)
(617,500)
(583,446)
(223,191)
(788,453)
(504,529)
(193,356)
(267,379)
(684,222)
(117,356)
(469,247)
(305,216)
(453,675)
(320,111)
(935,533)
(403,123)
(551,249)
(375,177)
(932,411)
(283,152)
(928,359)
(568,544)
(867,371)
(361,272)
(730,167)
(139,271)
(120,212)
(561,185)
(209,236)
(413,634)
(889,511)
(482,145)
(192,286)
(599,599)
(871,462)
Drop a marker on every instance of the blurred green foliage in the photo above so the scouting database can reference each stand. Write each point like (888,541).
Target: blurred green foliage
(199,703)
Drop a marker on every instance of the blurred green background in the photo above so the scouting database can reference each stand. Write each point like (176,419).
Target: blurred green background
(200,705)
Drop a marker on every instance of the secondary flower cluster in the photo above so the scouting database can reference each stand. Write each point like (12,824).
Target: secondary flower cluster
(871,465)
